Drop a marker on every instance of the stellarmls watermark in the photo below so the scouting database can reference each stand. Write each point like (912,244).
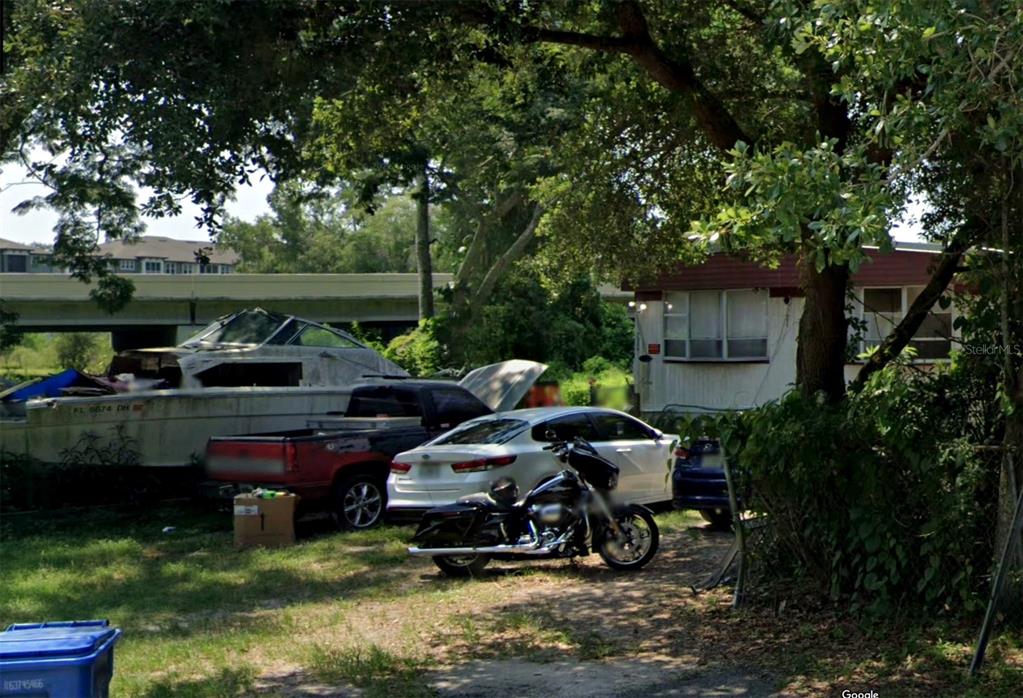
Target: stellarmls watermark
(992,349)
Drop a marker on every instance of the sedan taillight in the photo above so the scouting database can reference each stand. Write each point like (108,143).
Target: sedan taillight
(475,466)
(400,468)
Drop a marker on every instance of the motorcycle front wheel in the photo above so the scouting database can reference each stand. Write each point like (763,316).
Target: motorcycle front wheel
(461,565)
(637,543)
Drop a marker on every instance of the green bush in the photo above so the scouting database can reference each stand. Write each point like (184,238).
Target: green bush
(527,320)
(419,352)
(78,350)
(600,382)
(881,501)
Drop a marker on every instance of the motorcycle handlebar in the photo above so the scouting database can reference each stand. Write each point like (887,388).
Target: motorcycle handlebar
(562,448)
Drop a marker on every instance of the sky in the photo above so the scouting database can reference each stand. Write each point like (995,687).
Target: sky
(250,202)
(37,225)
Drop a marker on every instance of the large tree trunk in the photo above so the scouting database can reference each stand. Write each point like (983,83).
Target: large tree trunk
(424,263)
(823,330)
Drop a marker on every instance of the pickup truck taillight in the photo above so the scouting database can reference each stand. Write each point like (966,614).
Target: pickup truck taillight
(290,457)
(475,466)
(400,468)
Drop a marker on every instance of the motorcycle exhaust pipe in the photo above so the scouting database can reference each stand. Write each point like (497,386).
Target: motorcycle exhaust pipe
(519,548)
(532,547)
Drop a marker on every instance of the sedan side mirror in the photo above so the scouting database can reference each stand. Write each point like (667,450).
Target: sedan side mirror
(658,434)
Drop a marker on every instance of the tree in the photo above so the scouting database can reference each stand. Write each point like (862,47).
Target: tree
(677,90)
(10,336)
(311,231)
(532,318)
(939,86)
(77,350)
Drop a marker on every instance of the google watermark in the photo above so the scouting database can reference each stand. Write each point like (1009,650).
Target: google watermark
(859,694)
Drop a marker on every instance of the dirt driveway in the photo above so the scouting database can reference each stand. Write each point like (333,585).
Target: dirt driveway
(566,628)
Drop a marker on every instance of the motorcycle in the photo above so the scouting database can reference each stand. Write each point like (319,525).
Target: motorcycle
(566,515)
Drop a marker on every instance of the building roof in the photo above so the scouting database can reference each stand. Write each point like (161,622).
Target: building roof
(906,266)
(12,245)
(168,249)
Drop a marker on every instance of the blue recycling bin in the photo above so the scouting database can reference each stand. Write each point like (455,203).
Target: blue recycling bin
(72,659)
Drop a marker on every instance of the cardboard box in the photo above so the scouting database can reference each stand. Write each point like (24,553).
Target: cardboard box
(269,522)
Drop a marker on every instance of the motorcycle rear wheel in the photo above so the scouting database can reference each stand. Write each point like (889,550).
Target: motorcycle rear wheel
(461,565)
(638,543)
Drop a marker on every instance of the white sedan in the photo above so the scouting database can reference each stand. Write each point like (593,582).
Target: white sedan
(467,459)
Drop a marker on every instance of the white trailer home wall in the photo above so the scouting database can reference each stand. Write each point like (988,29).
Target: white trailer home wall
(723,335)
(721,383)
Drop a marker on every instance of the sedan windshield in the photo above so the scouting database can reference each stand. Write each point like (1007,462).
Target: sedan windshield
(490,431)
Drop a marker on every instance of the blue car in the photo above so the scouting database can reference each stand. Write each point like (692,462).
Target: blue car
(698,482)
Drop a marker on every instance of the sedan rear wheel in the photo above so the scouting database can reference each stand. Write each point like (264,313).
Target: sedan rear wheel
(360,503)
(719,519)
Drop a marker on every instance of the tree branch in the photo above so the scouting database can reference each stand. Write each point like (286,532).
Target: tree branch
(513,253)
(475,252)
(676,73)
(747,12)
(902,334)
(610,44)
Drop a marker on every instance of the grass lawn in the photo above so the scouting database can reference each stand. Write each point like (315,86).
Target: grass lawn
(203,619)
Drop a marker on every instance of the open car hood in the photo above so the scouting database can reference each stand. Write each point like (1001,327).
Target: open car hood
(502,385)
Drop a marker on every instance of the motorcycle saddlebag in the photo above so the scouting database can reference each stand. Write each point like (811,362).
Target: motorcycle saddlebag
(453,525)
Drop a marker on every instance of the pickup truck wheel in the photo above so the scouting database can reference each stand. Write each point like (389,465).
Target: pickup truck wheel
(359,502)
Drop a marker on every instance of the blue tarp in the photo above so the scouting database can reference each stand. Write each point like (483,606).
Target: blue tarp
(44,387)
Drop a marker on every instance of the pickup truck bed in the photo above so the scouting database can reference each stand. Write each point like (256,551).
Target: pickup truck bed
(341,463)
(306,461)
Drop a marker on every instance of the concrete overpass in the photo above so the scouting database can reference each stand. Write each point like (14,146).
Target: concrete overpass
(166,308)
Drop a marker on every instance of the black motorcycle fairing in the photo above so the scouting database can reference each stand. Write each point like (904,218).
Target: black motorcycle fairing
(562,487)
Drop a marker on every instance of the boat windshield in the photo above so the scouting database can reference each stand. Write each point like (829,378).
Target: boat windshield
(247,327)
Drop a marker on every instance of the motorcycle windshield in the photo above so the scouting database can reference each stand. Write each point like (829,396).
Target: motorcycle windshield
(599,472)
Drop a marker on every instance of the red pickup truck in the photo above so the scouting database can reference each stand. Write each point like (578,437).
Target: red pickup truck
(341,463)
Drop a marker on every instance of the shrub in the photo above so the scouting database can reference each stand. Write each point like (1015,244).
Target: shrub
(601,382)
(882,501)
(527,320)
(419,352)
(78,350)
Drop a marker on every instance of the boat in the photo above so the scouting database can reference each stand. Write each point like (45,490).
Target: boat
(249,372)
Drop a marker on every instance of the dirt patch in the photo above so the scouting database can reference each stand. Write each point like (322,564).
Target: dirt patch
(625,677)
(578,628)
(523,628)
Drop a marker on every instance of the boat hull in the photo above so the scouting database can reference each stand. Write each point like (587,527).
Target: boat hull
(166,428)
